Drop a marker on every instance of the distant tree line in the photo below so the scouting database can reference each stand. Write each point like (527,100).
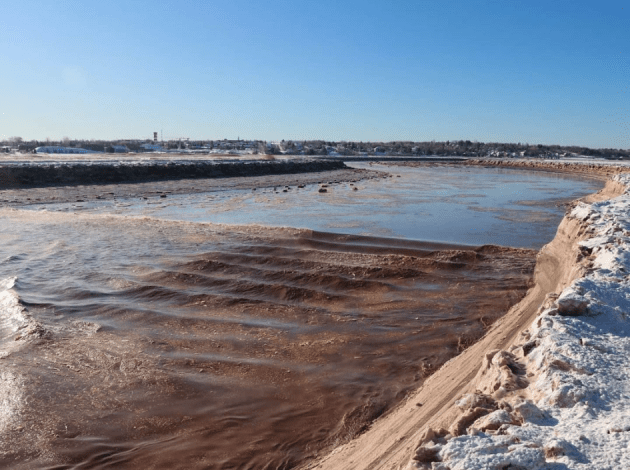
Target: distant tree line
(322,147)
(448,148)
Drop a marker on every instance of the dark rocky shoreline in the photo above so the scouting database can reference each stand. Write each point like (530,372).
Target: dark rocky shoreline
(70,174)
(27,195)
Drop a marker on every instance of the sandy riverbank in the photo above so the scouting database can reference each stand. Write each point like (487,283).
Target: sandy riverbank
(595,168)
(499,384)
(24,195)
(591,168)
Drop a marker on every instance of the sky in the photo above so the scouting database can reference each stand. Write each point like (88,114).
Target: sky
(549,72)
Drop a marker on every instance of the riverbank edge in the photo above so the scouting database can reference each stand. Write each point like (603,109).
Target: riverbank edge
(392,441)
(591,169)
(30,175)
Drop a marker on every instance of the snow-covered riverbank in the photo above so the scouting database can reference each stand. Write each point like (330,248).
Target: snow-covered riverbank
(559,397)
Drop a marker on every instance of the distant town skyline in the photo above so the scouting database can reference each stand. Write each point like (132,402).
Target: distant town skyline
(538,72)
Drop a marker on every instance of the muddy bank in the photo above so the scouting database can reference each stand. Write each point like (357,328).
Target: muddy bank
(69,174)
(589,169)
(601,170)
(91,192)
(404,438)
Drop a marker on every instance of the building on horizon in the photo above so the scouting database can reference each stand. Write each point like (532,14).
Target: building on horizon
(152,147)
(55,149)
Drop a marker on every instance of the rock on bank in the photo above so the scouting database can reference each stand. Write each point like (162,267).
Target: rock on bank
(62,174)
(548,386)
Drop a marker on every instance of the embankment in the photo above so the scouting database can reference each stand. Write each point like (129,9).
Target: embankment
(69,174)
(591,169)
(414,434)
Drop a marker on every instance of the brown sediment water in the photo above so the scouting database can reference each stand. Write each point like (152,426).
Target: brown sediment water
(155,344)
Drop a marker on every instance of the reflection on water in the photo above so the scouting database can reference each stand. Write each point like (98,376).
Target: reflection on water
(468,205)
(135,342)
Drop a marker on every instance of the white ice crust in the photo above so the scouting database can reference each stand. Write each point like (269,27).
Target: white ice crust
(577,411)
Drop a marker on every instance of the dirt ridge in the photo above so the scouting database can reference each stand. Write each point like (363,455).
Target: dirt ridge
(591,169)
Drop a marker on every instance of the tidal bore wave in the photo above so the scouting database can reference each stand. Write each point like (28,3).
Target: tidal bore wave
(142,343)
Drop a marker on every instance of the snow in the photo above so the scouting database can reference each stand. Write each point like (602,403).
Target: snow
(148,158)
(575,412)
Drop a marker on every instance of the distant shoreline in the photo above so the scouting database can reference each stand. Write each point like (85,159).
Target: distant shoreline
(601,170)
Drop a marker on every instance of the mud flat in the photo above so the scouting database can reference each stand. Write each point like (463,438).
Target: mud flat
(548,386)
(88,189)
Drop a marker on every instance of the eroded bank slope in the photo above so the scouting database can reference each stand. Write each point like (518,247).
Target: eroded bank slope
(594,168)
(514,387)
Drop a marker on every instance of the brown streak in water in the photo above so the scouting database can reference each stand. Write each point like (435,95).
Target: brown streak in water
(262,354)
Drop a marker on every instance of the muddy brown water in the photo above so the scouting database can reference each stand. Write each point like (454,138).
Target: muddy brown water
(174,345)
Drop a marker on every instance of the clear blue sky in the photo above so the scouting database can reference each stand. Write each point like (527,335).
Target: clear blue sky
(510,71)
